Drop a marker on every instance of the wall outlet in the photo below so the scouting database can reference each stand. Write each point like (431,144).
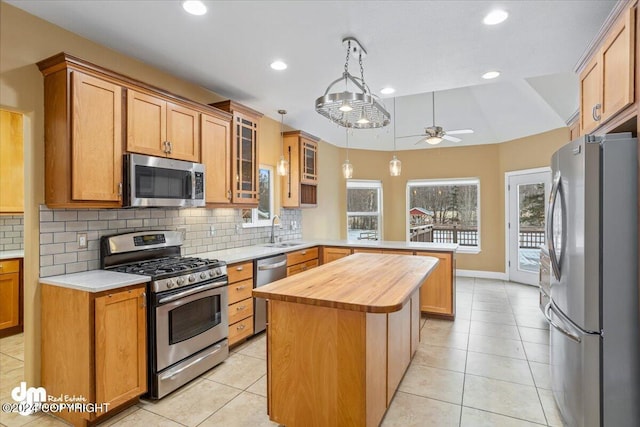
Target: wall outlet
(212,231)
(294,225)
(82,241)
(183,232)
(238,228)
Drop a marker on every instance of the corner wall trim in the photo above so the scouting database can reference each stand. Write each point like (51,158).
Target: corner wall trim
(498,275)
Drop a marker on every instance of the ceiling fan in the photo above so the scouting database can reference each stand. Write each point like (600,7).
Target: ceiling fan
(435,134)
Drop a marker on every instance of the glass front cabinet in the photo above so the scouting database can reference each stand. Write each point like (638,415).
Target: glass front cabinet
(300,186)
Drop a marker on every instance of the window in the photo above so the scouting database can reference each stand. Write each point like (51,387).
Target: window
(262,215)
(444,211)
(364,210)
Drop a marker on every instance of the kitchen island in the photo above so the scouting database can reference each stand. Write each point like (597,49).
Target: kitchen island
(340,337)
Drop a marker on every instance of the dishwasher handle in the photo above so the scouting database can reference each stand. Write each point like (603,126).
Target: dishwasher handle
(272,266)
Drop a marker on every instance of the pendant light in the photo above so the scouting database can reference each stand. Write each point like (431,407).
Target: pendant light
(355,106)
(347,167)
(283,165)
(395,165)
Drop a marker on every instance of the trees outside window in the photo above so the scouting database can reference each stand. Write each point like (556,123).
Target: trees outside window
(364,210)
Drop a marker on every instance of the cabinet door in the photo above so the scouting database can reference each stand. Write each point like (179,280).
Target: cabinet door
(331,254)
(216,156)
(291,182)
(146,124)
(11,163)
(309,161)
(183,133)
(590,97)
(245,160)
(96,137)
(120,346)
(9,298)
(617,60)
(436,294)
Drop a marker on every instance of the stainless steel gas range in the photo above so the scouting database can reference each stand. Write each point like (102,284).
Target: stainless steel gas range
(187,305)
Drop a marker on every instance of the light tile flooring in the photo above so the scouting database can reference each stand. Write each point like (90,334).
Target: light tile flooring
(488,368)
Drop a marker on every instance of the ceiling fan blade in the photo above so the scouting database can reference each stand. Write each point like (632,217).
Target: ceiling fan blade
(451,138)
(411,136)
(459,131)
(421,140)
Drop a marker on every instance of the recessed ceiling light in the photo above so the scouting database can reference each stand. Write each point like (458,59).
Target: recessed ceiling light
(490,75)
(495,17)
(194,7)
(387,90)
(278,65)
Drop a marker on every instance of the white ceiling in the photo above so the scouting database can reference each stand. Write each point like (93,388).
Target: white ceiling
(415,46)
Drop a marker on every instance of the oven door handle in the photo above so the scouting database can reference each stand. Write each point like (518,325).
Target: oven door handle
(272,266)
(192,291)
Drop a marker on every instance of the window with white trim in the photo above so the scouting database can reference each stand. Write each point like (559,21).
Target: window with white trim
(444,211)
(364,210)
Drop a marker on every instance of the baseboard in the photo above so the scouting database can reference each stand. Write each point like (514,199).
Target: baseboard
(482,274)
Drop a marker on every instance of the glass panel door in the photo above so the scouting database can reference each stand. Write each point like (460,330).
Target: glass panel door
(527,194)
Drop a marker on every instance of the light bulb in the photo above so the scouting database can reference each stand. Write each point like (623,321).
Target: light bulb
(282,166)
(363,119)
(347,169)
(395,166)
(434,140)
(345,107)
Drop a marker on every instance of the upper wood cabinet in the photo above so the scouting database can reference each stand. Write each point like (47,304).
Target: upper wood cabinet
(158,127)
(83,135)
(244,152)
(607,79)
(299,187)
(11,162)
(215,139)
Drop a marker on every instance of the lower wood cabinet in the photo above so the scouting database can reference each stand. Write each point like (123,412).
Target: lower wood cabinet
(240,311)
(302,260)
(94,346)
(10,296)
(330,253)
(437,295)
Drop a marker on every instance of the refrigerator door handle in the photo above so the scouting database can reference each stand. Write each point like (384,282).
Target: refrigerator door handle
(555,265)
(563,330)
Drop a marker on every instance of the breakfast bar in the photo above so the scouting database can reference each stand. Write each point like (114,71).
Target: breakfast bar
(340,338)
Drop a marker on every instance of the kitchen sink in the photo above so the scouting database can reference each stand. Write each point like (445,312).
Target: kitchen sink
(282,245)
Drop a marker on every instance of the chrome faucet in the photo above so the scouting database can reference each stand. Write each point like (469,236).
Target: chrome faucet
(273,226)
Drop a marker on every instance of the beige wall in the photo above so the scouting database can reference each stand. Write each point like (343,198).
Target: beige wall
(486,162)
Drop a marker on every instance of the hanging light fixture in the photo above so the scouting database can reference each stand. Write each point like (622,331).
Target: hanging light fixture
(283,165)
(359,108)
(436,137)
(347,167)
(395,165)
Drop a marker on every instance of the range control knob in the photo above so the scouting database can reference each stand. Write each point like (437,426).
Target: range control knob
(203,275)
(180,281)
(171,283)
(218,271)
(212,273)
(192,278)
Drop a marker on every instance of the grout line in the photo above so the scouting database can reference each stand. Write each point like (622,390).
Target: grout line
(466,358)
(504,415)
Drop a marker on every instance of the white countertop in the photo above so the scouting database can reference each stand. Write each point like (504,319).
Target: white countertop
(95,280)
(247,253)
(11,254)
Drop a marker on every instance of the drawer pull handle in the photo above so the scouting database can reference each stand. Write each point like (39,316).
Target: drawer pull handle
(240,327)
(239,288)
(240,268)
(303,252)
(242,307)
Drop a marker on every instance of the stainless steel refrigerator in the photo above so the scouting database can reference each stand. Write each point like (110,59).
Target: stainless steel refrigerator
(592,236)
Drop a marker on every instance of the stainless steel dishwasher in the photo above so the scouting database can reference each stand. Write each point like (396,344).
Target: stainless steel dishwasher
(268,270)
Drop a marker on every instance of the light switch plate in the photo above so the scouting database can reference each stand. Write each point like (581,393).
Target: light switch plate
(82,241)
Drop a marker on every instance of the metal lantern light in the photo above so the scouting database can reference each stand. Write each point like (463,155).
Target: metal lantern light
(347,167)
(395,165)
(358,109)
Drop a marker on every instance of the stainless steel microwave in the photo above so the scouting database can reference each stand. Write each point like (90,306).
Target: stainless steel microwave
(159,182)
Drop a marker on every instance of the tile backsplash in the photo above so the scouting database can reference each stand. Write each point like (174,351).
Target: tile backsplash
(59,228)
(11,233)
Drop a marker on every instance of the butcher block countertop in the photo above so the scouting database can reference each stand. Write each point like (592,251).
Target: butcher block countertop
(372,283)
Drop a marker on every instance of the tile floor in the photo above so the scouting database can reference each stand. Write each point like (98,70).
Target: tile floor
(488,368)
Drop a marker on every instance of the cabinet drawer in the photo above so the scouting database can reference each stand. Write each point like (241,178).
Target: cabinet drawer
(303,266)
(302,255)
(240,290)
(240,310)
(9,266)
(238,272)
(240,330)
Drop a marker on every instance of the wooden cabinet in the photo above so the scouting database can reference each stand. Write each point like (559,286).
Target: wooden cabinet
(607,80)
(240,312)
(244,152)
(10,296)
(215,140)
(11,163)
(299,187)
(302,260)
(83,136)
(94,345)
(330,253)
(437,295)
(159,127)
(574,130)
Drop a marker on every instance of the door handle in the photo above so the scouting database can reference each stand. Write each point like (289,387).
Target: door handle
(555,264)
(272,266)
(594,112)
(561,329)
